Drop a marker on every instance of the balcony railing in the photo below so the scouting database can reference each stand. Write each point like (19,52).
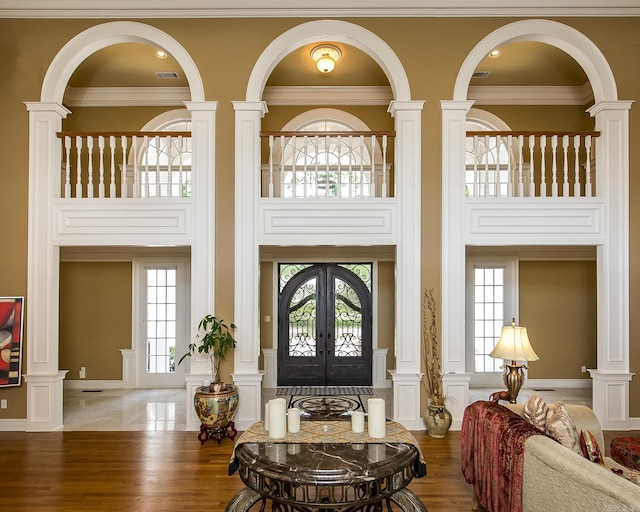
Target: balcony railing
(327,165)
(126,164)
(530,164)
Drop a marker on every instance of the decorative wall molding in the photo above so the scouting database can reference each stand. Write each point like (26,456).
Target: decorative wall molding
(305,8)
(325,95)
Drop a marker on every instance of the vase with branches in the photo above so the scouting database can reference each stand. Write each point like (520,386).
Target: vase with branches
(437,417)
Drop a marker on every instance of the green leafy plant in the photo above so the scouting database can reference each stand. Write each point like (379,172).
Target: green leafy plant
(216,339)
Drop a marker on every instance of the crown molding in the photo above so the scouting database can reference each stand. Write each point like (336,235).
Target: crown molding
(323,96)
(527,95)
(306,8)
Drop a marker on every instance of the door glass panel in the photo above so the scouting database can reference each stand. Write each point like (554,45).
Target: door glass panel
(302,320)
(161,320)
(348,321)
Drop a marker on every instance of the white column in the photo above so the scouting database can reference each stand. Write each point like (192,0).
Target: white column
(408,165)
(456,379)
(612,377)
(44,381)
(203,117)
(247,279)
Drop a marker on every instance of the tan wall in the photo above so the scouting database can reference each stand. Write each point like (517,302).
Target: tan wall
(387,310)
(431,75)
(95,318)
(558,308)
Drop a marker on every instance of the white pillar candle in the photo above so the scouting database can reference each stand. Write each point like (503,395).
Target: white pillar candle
(277,418)
(357,422)
(266,417)
(376,425)
(293,420)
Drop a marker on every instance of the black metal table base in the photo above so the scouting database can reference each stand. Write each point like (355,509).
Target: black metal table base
(403,500)
(217,433)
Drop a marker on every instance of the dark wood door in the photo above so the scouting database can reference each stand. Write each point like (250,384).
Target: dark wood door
(324,328)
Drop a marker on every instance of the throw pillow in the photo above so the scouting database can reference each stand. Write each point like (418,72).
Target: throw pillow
(535,412)
(561,427)
(590,448)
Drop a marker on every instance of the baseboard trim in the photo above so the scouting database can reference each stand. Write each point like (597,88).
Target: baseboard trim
(634,423)
(557,383)
(92,384)
(13,425)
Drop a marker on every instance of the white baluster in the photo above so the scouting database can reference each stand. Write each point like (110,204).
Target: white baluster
(136,171)
(476,175)
(576,166)
(510,175)
(90,167)
(101,166)
(169,169)
(112,184)
(361,180)
(281,178)
(384,166)
(565,166)
(316,143)
(124,189)
(554,166)
(486,166)
(157,171)
(532,167)
(352,184)
(305,170)
(587,145)
(339,191)
(497,174)
(78,166)
(294,169)
(145,152)
(373,159)
(543,166)
(67,174)
(182,192)
(327,145)
(270,166)
(520,158)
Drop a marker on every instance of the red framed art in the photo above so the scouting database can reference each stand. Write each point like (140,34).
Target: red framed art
(11,315)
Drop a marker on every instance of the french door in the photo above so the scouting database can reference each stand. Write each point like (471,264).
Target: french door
(324,327)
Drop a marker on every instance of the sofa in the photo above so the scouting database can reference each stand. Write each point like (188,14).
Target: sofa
(552,477)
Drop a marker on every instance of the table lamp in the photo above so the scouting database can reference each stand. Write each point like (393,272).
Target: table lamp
(513,345)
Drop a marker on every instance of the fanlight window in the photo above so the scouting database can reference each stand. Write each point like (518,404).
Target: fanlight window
(487,169)
(165,163)
(328,166)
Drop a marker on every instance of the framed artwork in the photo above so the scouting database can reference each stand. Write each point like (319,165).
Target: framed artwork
(11,314)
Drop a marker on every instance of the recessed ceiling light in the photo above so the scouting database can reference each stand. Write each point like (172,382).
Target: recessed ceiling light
(494,53)
(161,54)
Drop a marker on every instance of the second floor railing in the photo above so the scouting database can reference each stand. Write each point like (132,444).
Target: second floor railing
(126,164)
(530,164)
(327,165)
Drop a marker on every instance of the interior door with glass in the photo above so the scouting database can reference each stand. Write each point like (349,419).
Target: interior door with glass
(162,309)
(325,325)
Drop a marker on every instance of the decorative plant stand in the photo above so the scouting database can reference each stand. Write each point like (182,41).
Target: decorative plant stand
(216,410)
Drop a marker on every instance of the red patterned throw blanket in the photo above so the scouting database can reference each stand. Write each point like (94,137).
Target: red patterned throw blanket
(493,440)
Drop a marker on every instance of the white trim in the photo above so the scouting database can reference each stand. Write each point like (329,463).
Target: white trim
(339,32)
(634,423)
(293,8)
(12,425)
(557,383)
(93,385)
(325,95)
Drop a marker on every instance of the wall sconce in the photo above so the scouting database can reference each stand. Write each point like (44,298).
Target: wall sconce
(513,345)
(325,56)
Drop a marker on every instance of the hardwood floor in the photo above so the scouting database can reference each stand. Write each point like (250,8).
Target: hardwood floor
(165,471)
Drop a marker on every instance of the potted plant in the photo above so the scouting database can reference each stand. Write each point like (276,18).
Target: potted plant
(437,417)
(216,339)
(217,403)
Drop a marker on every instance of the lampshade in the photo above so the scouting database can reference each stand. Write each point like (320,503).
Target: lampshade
(514,345)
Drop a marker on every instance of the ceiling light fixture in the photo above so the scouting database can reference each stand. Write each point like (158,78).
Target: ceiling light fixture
(494,53)
(161,54)
(325,56)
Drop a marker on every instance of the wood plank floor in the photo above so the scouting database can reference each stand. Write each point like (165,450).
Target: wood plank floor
(169,471)
(165,471)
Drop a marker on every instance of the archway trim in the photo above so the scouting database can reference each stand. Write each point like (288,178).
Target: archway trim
(329,30)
